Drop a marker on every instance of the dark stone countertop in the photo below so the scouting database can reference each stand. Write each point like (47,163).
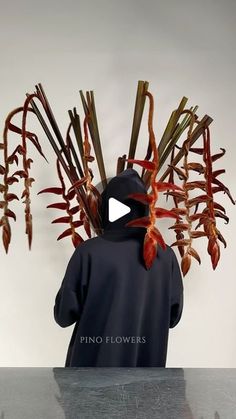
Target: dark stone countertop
(117,393)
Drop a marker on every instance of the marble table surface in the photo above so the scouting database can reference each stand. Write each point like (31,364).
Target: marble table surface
(117,393)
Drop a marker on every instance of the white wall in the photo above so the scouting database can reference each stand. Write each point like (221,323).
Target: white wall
(183,48)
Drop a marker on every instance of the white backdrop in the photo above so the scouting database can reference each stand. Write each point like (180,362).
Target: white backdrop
(183,48)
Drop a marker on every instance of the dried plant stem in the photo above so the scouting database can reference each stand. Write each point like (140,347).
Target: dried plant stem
(71,147)
(89,109)
(71,174)
(155,161)
(75,120)
(137,118)
(195,135)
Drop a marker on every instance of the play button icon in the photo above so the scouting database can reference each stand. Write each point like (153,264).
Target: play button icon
(116,209)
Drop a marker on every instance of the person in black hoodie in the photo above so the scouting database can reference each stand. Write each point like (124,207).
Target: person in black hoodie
(122,311)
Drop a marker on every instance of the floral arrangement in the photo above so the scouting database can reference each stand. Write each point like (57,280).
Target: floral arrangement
(73,159)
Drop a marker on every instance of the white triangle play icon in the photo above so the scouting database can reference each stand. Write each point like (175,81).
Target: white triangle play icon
(116,209)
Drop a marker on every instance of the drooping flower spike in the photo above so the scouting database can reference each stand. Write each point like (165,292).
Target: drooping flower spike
(153,236)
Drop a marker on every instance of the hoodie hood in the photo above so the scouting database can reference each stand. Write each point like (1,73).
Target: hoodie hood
(120,187)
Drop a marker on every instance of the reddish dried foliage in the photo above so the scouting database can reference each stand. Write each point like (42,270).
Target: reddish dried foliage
(184,215)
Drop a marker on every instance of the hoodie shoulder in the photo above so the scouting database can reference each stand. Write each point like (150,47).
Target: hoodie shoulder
(88,245)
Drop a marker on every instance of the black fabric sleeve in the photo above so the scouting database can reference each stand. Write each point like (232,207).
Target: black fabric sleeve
(177,297)
(67,306)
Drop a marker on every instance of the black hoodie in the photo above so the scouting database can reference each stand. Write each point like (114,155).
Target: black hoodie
(122,311)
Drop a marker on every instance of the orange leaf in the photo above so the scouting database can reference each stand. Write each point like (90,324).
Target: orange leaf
(165,186)
(149,165)
(218,206)
(58,205)
(74,210)
(28,161)
(149,250)
(76,239)
(144,198)
(180,196)
(198,167)
(77,223)
(65,234)
(156,235)
(65,219)
(195,254)
(6,235)
(197,150)
(221,238)
(29,181)
(11,196)
(161,213)
(12,158)
(179,226)
(197,184)
(139,222)
(185,263)
(92,203)
(70,195)
(179,211)
(20,173)
(55,190)
(25,193)
(2,170)
(214,251)
(198,200)
(198,215)
(89,158)
(182,242)
(21,150)
(216,189)
(82,214)
(217,156)
(78,183)
(221,215)
(10,180)
(10,213)
(217,173)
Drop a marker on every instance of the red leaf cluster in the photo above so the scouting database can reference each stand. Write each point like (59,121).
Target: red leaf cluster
(9,159)
(153,236)
(65,205)
(206,218)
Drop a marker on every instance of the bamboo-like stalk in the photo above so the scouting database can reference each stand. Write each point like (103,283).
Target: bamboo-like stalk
(171,126)
(72,148)
(71,175)
(89,109)
(137,118)
(48,110)
(98,150)
(205,122)
(195,135)
(180,128)
(75,120)
(171,135)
